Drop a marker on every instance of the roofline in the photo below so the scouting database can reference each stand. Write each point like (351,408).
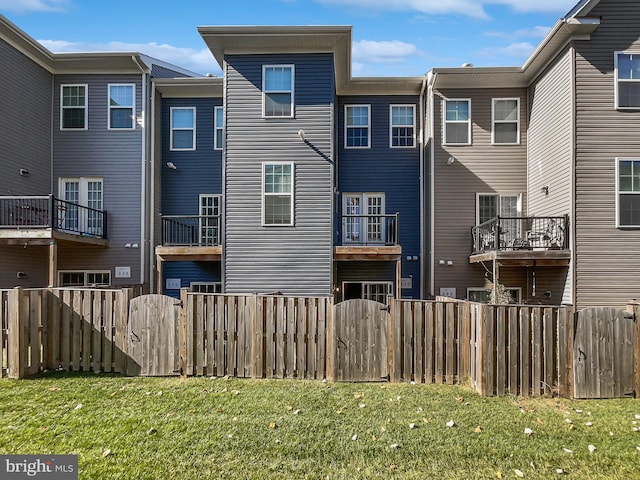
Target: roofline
(582,8)
(189,87)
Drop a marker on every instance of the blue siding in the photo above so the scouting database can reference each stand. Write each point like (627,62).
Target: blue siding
(198,171)
(394,171)
(189,272)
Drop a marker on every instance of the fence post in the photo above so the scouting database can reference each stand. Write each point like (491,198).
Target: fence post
(331,341)
(122,326)
(634,306)
(14,341)
(184,299)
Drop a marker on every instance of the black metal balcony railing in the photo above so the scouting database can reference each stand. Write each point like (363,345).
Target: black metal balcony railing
(518,233)
(191,230)
(369,229)
(34,212)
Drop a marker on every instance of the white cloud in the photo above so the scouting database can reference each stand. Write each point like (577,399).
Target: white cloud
(393,51)
(533,32)
(470,8)
(201,61)
(518,50)
(24,6)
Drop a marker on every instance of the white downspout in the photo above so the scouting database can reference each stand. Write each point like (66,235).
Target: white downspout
(432,182)
(422,199)
(144,242)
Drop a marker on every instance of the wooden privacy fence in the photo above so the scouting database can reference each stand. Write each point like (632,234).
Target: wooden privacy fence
(63,329)
(499,350)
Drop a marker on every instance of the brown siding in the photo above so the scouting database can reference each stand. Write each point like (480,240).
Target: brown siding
(478,168)
(608,259)
(550,152)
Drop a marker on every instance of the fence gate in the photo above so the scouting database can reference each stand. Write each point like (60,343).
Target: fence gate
(603,353)
(361,341)
(153,336)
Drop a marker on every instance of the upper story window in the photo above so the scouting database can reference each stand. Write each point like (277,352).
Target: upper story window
(277,89)
(628,192)
(121,107)
(506,121)
(183,128)
(457,122)
(402,126)
(277,193)
(219,128)
(73,107)
(627,80)
(491,205)
(357,126)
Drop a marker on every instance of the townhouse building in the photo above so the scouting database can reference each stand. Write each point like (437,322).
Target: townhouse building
(288,175)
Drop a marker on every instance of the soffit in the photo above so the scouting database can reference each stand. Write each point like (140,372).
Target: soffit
(201,87)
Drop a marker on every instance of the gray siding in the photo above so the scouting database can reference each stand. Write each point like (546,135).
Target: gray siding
(25,142)
(293,260)
(478,168)
(607,259)
(550,155)
(156,224)
(116,157)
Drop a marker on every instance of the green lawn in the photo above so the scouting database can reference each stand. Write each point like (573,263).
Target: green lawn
(153,428)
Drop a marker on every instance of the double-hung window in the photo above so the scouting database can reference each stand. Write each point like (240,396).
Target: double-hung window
(73,107)
(402,126)
(457,122)
(277,194)
(121,107)
(627,80)
(357,126)
(490,206)
(183,128)
(88,278)
(277,90)
(506,121)
(628,192)
(219,128)
(209,220)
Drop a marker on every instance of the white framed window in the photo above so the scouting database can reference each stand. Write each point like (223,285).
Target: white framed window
(206,287)
(492,205)
(505,115)
(627,192)
(84,278)
(78,193)
(483,295)
(627,75)
(73,107)
(376,291)
(457,122)
(402,126)
(357,126)
(218,138)
(209,219)
(277,194)
(278,90)
(363,218)
(122,111)
(183,128)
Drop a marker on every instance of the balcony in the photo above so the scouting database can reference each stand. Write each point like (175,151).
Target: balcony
(190,238)
(522,241)
(368,237)
(36,220)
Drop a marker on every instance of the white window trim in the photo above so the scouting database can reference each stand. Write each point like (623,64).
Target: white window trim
(217,286)
(171,129)
(499,195)
(216,110)
(618,80)
(445,121)
(494,121)
(364,233)
(85,273)
(392,126)
(132,107)
(346,127)
(218,197)
(86,105)
(484,289)
(618,193)
(383,282)
(292,91)
(291,194)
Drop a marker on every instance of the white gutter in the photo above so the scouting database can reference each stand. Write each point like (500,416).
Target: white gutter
(422,199)
(144,225)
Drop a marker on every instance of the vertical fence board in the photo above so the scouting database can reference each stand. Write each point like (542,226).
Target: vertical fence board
(107,339)
(269,327)
(513,353)
(549,353)
(418,342)
(199,335)
(15,367)
(312,339)
(87,327)
(439,343)
(427,320)
(76,324)
(35,346)
(291,335)
(450,333)
(221,316)
(501,355)
(281,321)
(324,310)
(407,341)
(525,348)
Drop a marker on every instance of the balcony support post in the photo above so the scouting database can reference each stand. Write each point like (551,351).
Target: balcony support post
(53,263)
(496,278)
(159,265)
